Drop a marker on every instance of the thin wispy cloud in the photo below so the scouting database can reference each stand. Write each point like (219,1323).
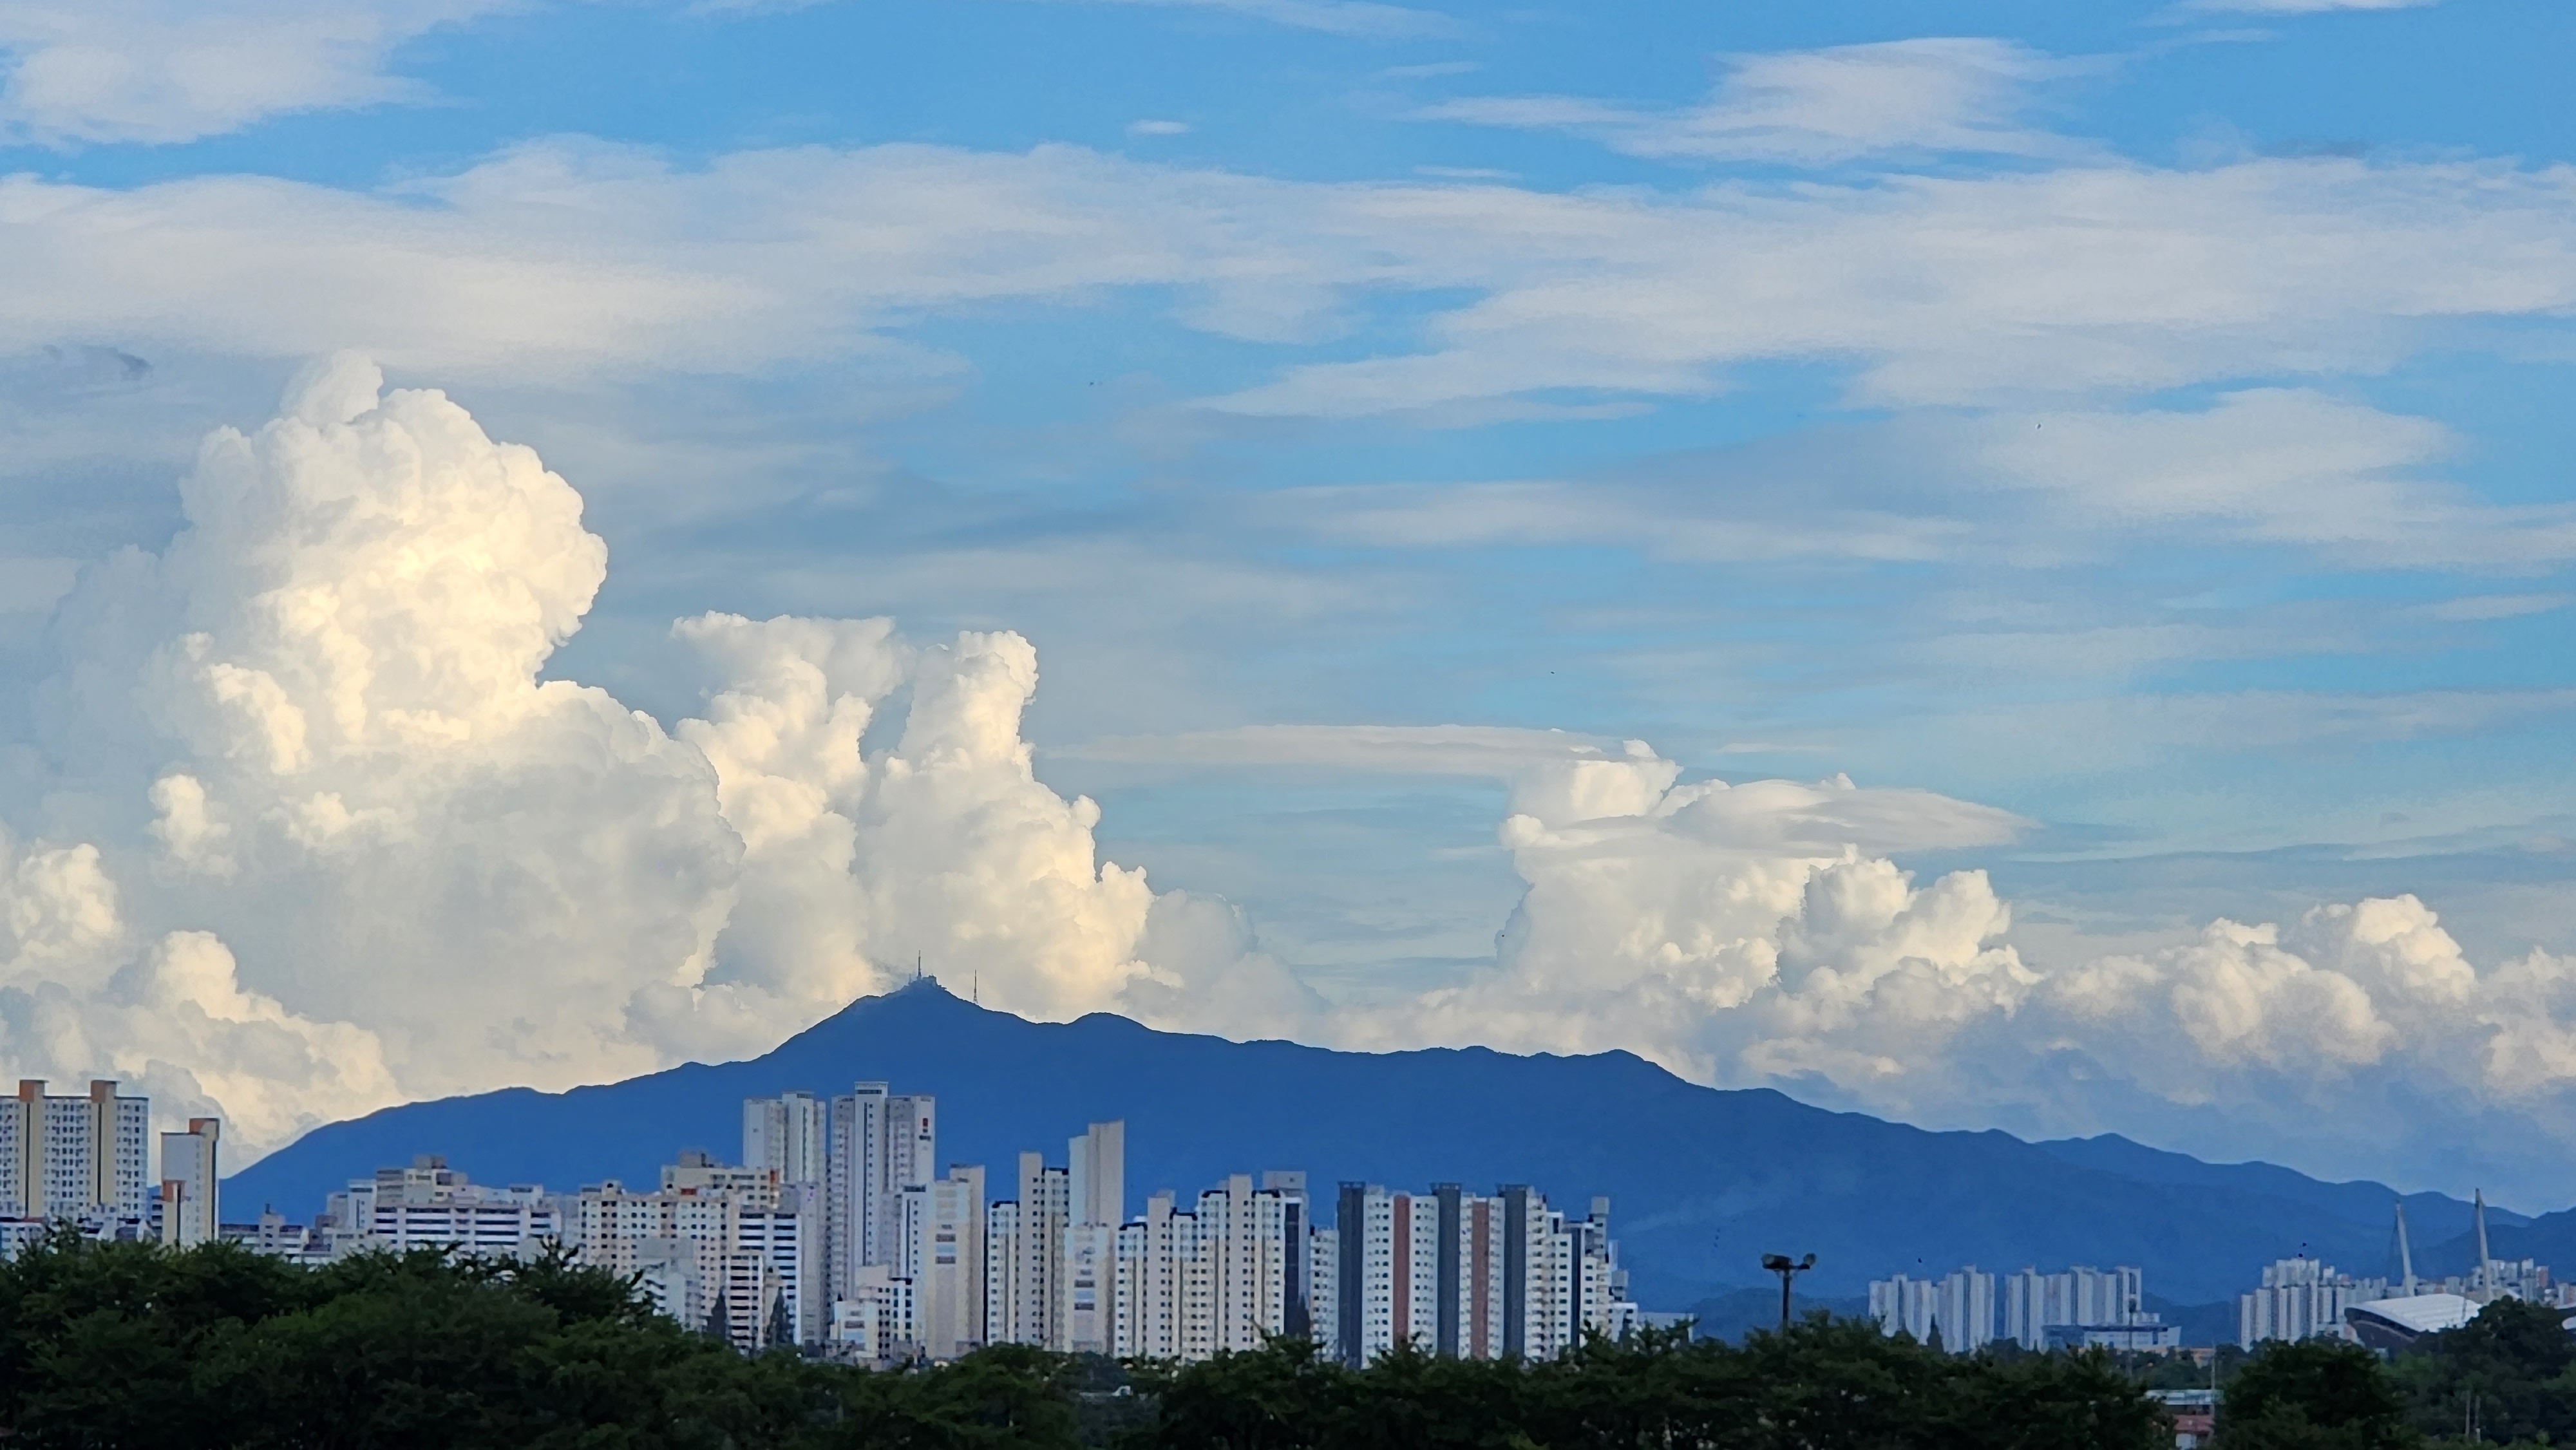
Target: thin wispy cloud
(573,258)
(2299,7)
(1430,70)
(1336,17)
(1818,107)
(162,71)
(1472,750)
(2284,468)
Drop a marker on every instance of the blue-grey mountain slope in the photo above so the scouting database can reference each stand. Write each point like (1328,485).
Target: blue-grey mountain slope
(1702,1181)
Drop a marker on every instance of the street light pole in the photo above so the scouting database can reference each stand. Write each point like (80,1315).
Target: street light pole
(1787,1269)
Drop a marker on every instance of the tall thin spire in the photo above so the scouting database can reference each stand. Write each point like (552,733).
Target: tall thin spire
(2405,1251)
(2486,1274)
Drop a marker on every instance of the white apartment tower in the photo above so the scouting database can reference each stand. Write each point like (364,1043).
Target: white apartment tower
(774,1270)
(848,1161)
(717,1246)
(1096,1174)
(1221,1276)
(2082,1296)
(74,1157)
(1033,1294)
(1001,1271)
(1050,1261)
(1095,1207)
(791,1134)
(943,1257)
(1465,1275)
(877,1144)
(190,1211)
(1960,1307)
(2301,1299)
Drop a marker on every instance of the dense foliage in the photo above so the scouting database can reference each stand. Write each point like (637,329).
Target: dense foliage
(2510,1374)
(1822,1384)
(2508,1378)
(131,1346)
(2317,1394)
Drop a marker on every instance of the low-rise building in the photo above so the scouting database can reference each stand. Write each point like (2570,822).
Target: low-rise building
(428,1205)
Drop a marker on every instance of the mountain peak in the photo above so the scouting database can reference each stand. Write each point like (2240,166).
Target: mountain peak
(1702,1181)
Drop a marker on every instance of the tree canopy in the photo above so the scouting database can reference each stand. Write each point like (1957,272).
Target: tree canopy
(138,1347)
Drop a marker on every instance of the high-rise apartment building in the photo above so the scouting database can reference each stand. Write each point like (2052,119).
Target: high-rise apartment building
(774,1269)
(1466,1275)
(790,1135)
(1222,1275)
(1087,1259)
(191,1213)
(1323,1285)
(2301,1299)
(1096,1175)
(719,1247)
(1049,1262)
(943,1257)
(1001,1270)
(2081,1297)
(74,1157)
(1032,1298)
(877,1144)
(1959,1308)
(853,1158)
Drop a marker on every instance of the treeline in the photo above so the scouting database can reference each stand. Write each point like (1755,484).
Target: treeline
(134,1347)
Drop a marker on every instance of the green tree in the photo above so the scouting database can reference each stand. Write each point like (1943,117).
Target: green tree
(2515,1361)
(2314,1394)
(2042,1401)
(1279,1398)
(140,1348)
(1008,1395)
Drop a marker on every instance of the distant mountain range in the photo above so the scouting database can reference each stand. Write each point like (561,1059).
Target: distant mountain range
(1701,1181)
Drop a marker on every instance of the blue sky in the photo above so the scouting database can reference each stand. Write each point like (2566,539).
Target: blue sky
(2143,419)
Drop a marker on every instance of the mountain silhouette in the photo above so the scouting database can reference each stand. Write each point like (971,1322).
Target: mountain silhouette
(1702,1181)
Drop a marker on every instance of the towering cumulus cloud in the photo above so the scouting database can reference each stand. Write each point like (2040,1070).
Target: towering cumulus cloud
(319,838)
(1758,934)
(305,831)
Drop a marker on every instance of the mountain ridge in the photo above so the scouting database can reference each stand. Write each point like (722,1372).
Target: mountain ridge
(1702,1180)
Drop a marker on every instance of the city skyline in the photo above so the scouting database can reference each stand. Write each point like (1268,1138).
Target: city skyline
(838,1232)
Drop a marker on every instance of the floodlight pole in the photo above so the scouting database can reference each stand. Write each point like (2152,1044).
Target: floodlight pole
(1788,1269)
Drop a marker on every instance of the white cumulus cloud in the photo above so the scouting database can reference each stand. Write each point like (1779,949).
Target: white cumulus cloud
(318,834)
(1759,935)
(322,837)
